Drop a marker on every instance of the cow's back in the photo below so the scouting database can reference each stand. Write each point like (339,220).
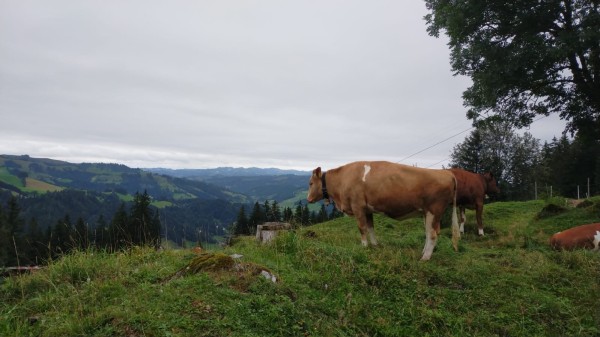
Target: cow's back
(584,236)
(396,189)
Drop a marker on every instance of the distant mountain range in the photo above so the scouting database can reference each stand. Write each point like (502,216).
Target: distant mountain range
(24,174)
(226,172)
(259,184)
(188,199)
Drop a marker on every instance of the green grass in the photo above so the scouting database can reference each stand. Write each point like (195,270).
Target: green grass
(507,283)
(31,184)
(161,204)
(9,178)
(125,197)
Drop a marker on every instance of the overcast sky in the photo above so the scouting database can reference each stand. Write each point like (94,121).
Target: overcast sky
(202,84)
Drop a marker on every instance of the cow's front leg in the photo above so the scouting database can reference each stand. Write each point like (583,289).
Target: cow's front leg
(361,219)
(371,229)
(363,226)
(430,237)
(478,214)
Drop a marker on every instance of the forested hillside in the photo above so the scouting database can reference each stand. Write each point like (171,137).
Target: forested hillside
(42,199)
(258,184)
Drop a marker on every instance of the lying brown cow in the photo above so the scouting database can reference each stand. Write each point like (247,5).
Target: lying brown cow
(584,236)
(472,189)
(398,191)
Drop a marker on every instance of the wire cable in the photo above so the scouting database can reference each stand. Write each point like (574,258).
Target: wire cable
(436,144)
(445,140)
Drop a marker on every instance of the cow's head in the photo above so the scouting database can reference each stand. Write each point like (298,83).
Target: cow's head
(492,184)
(315,186)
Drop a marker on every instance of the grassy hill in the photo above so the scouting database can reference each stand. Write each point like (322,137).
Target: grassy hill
(508,283)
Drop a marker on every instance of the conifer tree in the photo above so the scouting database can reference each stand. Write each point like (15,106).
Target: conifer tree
(61,241)
(306,216)
(288,214)
(13,232)
(298,214)
(155,229)
(241,225)
(257,217)
(322,215)
(275,214)
(119,236)
(81,234)
(100,237)
(267,211)
(4,242)
(140,220)
(35,243)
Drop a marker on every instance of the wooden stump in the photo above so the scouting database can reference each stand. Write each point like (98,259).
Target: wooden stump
(269,230)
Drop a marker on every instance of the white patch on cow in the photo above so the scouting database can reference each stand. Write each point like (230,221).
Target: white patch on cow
(367,170)
(597,241)
(430,239)
(364,242)
(481,232)
(372,236)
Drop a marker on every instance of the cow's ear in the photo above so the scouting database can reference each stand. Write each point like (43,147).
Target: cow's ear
(317,172)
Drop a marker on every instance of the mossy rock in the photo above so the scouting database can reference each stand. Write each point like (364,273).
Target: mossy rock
(550,210)
(209,262)
(222,266)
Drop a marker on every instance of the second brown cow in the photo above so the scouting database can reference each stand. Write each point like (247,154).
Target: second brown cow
(472,189)
(398,191)
(584,236)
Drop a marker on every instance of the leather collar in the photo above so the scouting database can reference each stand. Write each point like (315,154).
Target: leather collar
(324,185)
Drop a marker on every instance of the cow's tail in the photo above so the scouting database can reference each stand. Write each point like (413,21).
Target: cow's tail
(455,229)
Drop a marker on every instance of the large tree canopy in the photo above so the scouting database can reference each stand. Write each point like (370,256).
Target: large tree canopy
(525,58)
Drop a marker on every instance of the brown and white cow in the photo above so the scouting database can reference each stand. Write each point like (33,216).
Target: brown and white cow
(472,190)
(584,236)
(398,191)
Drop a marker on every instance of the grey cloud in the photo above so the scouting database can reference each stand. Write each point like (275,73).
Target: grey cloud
(214,83)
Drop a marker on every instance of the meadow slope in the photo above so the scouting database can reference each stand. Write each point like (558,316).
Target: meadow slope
(507,283)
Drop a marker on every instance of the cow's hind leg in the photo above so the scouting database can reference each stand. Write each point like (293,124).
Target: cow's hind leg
(463,218)
(371,229)
(430,236)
